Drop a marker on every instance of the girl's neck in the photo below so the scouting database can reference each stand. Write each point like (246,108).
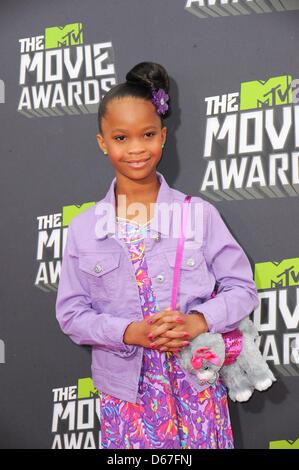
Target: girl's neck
(141,191)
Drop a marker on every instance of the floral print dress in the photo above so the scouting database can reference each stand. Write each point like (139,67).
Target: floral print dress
(169,413)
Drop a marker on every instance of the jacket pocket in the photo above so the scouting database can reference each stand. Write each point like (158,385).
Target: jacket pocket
(194,279)
(101,271)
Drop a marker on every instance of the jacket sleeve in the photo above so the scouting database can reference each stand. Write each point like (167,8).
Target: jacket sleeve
(75,315)
(237,295)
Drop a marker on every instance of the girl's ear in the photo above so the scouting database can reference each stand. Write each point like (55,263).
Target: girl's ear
(164,134)
(100,141)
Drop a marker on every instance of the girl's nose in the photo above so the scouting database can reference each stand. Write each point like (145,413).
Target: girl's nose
(135,147)
(136,151)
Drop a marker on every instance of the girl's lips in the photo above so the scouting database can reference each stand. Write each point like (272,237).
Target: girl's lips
(140,164)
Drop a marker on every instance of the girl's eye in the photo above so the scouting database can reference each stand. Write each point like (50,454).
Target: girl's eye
(122,136)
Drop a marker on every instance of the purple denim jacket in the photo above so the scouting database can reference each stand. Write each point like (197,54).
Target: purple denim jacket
(98,295)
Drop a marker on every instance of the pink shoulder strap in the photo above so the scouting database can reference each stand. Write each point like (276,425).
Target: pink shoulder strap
(179,253)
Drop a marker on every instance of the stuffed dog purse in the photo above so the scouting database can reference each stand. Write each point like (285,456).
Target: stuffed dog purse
(209,356)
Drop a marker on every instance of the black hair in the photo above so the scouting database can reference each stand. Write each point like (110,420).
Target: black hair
(141,80)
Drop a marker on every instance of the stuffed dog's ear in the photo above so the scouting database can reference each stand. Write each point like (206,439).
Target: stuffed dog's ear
(247,326)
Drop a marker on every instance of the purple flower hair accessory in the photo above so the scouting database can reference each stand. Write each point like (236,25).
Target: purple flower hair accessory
(160,98)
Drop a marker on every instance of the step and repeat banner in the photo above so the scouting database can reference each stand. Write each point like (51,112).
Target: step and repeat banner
(233,139)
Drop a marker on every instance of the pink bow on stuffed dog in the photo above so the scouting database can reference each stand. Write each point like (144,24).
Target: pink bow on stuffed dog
(204,354)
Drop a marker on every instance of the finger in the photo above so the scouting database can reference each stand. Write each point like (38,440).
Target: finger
(170,334)
(177,334)
(164,329)
(159,342)
(163,320)
(159,322)
(159,331)
(174,318)
(176,315)
(162,341)
(171,330)
(173,344)
(160,314)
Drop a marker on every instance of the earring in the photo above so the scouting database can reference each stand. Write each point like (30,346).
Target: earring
(162,146)
(105,152)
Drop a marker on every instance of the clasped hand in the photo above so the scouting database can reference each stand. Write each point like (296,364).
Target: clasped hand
(171,329)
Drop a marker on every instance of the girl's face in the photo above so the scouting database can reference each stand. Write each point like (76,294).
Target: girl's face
(131,131)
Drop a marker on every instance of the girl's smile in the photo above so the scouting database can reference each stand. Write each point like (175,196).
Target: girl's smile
(138,163)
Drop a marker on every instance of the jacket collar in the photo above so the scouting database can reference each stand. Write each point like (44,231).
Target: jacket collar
(106,206)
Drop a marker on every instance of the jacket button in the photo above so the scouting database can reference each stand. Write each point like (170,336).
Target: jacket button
(190,262)
(160,278)
(98,268)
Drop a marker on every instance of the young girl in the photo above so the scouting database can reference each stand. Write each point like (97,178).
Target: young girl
(116,278)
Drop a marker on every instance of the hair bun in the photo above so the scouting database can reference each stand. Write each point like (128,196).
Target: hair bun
(150,75)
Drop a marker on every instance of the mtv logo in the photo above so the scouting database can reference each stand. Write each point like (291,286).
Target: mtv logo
(284,444)
(271,274)
(69,212)
(2,92)
(263,93)
(68,35)
(86,389)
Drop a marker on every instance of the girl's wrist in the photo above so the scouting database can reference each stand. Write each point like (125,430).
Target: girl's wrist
(134,334)
(130,333)
(202,326)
